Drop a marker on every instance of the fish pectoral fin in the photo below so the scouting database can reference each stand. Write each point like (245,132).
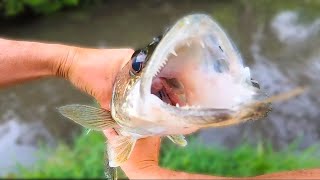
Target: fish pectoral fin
(88,116)
(178,139)
(119,150)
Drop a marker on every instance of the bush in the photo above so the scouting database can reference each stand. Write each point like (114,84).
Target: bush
(84,159)
(11,8)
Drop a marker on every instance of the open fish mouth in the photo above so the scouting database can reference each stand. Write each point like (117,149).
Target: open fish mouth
(176,81)
(195,65)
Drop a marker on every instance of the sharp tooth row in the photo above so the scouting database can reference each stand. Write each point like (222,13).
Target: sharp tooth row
(158,71)
(165,61)
(163,64)
(186,106)
(201,43)
(189,107)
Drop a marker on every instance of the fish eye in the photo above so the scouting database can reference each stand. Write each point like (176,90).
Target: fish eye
(138,60)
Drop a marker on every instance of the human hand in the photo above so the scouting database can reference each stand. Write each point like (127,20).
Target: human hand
(144,159)
(143,162)
(93,70)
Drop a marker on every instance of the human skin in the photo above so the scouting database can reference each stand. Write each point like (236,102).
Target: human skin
(93,71)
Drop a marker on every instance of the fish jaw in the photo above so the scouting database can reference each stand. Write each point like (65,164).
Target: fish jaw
(197,47)
(205,31)
(195,57)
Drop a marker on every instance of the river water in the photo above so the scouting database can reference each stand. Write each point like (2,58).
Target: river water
(279,40)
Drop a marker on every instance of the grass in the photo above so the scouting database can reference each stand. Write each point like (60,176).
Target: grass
(84,159)
(245,160)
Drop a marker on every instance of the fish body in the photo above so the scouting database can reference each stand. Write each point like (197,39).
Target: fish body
(189,78)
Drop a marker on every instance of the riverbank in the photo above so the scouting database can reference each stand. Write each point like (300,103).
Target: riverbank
(83,159)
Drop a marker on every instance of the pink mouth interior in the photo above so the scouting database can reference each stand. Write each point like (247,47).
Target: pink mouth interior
(168,92)
(172,84)
(190,78)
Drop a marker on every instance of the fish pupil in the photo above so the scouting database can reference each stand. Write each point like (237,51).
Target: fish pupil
(136,66)
(138,60)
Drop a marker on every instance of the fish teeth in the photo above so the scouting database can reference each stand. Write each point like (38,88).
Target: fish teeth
(188,44)
(174,52)
(202,44)
(177,105)
(186,106)
(163,64)
(190,106)
(158,71)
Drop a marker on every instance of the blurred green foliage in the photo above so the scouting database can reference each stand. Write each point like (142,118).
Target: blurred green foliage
(84,159)
(244,160)
(11,8)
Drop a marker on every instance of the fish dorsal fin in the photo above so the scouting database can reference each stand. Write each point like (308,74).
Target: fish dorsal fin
(178,139)
(88,116)
(119,149)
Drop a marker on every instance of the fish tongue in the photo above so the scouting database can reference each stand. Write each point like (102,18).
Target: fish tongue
(174,91)
(169,91)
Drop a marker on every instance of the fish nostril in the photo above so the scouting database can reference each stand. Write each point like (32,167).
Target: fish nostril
(255,83)
(220,48)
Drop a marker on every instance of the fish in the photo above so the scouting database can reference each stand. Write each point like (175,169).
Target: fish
(190,77)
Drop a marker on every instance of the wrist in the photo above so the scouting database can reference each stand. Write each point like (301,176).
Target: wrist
(33,60)
(42,59)
(62,61)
